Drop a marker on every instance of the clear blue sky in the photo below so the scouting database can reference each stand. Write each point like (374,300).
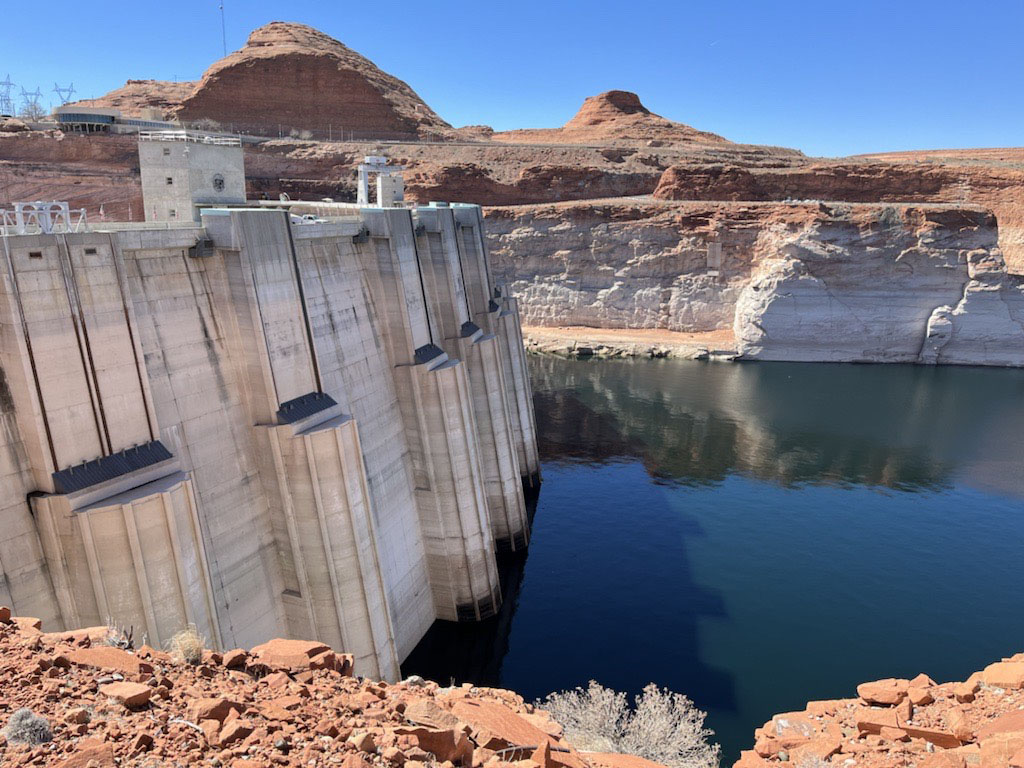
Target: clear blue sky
(827,77)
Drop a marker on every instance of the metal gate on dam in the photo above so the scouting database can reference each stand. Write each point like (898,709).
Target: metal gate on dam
(263,419)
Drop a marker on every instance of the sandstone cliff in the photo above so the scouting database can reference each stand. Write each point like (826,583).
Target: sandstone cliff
(797,281)
(886,284)
(994,179)
(290,76)
(286,702)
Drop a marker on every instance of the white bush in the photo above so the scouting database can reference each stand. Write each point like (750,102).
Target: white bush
(662,726)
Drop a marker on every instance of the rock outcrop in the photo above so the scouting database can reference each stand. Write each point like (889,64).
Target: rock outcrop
(896,723)
(994,180)
(136,95)
(795,281)
(293,77)
(286,703)
(615,116)
(609,264)
(885,284)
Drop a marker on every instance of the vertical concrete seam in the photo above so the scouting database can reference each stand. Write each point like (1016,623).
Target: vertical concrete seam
(92,556)
(325,540)
(84,347)
(302,302)
(202,563)
(179,565)
(139,564)
(368,503)
(66,603)
(28,350)
(147,404)
(293,534)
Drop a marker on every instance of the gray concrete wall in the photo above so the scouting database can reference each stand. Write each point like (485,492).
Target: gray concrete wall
(341,452)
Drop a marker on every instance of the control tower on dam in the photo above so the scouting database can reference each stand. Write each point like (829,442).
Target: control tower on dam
(259,418)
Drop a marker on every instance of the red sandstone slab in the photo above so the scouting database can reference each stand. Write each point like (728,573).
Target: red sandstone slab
(1005,674)
(1011,721)
(109,658)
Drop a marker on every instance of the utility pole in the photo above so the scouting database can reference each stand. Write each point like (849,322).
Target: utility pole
(223,29)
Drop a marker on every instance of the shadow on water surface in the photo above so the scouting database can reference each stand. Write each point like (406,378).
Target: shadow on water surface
(714,528)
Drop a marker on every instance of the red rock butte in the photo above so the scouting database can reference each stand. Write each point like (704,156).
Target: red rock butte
(616,115)
(293,77)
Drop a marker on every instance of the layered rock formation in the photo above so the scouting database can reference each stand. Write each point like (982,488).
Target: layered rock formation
(900,722)
(616,116)
(798,281)
(290,76)
(994,179)
(286,702)
(886,285)
(136,95)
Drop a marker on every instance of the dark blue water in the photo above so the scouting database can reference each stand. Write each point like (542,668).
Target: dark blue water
(758,535)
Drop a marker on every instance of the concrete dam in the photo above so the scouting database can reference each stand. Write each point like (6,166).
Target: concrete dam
(263,419)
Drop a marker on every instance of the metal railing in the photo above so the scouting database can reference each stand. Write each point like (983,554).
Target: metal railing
(42,218)
(191,136)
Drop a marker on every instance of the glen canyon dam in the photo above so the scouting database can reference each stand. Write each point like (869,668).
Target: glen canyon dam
(310,420)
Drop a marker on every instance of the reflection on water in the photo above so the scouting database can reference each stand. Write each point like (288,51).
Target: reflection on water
(902,427)
(756,535)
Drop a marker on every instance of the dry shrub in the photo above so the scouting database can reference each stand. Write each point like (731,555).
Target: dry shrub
(26,727)
(187,645)
(118,637)
(662,726)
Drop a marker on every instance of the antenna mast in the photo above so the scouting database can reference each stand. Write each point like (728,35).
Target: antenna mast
(223,29)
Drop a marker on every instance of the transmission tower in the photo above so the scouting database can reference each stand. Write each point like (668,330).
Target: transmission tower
(31,107)
(6,102)
(64,94)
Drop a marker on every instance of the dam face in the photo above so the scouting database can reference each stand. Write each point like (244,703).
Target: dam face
(263,426)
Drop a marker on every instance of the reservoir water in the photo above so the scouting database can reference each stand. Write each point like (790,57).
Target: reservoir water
(757,535)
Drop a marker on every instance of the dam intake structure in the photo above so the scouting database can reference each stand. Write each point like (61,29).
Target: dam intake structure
(260,418)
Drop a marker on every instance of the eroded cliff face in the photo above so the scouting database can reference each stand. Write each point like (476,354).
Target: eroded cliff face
(801,281)
(612,264)
(885,284)
(994,179)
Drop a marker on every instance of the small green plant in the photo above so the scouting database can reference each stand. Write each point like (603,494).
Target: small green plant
(662,726)
(26,727)
(187,645)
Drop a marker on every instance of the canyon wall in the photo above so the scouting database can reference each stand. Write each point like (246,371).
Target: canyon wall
(995,181)
(262,427)
(796,281)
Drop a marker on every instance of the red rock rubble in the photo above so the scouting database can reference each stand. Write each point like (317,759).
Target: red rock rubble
(899,723)
(284,703)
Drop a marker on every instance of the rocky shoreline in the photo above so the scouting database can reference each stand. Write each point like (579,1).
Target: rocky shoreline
(900,723)
(295,702)
(577,342)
